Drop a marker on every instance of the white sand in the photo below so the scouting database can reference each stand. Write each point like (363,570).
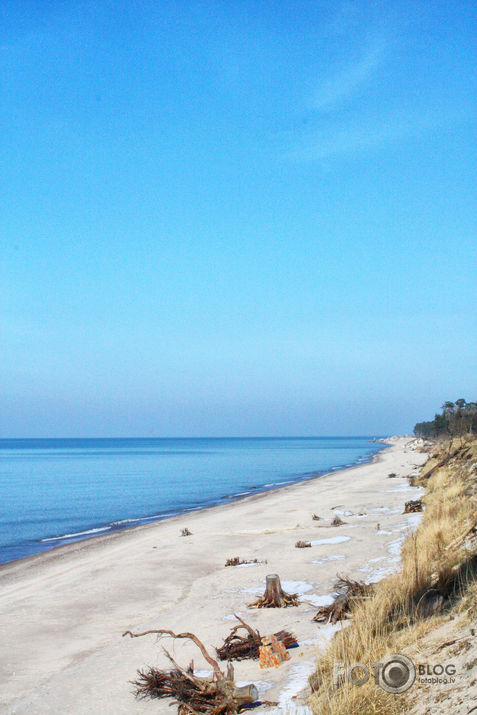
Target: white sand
(62,613)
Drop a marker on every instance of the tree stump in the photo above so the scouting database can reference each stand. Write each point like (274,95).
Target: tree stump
(275,596)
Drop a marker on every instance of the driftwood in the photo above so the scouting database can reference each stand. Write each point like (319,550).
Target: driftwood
(302,545)
(412,506)
(216,695)
(237,561)
(275,596)
(239,647)
(349,593)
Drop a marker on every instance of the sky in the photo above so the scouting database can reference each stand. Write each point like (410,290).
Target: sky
(236,218)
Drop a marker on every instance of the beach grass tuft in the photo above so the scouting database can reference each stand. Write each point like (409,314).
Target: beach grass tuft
(438,577)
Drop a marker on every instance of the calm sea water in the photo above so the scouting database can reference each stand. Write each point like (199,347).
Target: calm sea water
(55,491)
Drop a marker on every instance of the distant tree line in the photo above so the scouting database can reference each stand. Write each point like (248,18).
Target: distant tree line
(457,418)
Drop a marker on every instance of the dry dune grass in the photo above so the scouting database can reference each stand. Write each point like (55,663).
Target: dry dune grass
(408,605)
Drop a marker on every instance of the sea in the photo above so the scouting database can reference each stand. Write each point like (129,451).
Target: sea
(58,491)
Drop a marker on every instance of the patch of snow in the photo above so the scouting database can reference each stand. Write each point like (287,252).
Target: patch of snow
(400,488)
(375,575)
(330,540)
(414,520)
(325,633)
(299,587)
(381,532)
(394,547)
(298,681)
(292,708)
(379,574)
(244,566)
(319,601)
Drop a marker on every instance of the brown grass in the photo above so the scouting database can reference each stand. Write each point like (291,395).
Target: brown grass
(409,604)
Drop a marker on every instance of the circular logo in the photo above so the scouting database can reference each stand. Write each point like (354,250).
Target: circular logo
(397,673)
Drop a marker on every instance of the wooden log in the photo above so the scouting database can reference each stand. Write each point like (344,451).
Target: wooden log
(245,695)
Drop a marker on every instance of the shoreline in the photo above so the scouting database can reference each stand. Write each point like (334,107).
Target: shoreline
(63,611)
(255,492)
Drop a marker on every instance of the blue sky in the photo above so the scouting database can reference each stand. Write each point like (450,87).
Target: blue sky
(236,218)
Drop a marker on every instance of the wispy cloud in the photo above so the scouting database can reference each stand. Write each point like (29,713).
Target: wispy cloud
(369,100)
(344,83)
(372,133)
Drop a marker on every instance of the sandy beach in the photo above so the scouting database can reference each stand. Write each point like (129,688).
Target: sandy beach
(62,613)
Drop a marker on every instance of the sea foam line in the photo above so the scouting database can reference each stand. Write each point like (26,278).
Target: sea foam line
(78,533)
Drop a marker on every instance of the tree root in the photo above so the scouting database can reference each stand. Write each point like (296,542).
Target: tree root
(216,695)
(349,593)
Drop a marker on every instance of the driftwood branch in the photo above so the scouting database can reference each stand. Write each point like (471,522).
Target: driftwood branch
(189,636)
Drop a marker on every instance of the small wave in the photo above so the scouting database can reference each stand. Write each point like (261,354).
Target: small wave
(281,484)
(79,533)
(142,518)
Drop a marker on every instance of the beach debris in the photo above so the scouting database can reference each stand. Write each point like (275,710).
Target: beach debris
(237,561)
(337,521)
(315,517)
(303,545)
(378,526)
(211,696)
(186,532)
(412,506)
(273,652)
(242,647)
(275,596)
(392,475)
(348,594)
